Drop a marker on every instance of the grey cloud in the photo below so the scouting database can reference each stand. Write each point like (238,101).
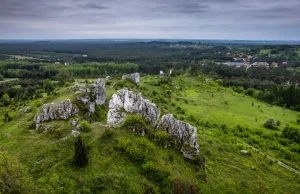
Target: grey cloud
(143,18)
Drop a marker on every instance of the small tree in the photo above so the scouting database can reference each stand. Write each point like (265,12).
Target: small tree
(85,126)
(80,158)
(270,124)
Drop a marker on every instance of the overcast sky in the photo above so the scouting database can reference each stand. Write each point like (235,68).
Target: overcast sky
(188,19)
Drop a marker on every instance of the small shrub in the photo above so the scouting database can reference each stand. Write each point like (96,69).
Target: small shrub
(108,134)
(136,124)
(270,124)
(154,172)
(140,151)
(223,126)
(161,137)
(85,126)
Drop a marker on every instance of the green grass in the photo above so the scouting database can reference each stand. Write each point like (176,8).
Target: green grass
(203,104)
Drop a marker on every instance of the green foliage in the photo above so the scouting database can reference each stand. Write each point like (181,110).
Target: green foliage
(53,184)
(13,176)
(48,86)
(139,151)
(270,124)
(137,124)
(101,113)
(64,75)
(161,137)
(85,126)
(80,157)
(291,133)
(108,134)
(67,84)
(160,176)
(1,77)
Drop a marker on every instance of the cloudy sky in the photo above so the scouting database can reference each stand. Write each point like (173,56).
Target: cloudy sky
(190,19)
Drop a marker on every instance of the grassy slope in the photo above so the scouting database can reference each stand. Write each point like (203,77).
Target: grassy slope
(228,170)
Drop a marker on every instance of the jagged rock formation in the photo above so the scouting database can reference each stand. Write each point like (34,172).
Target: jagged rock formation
(61,110)
(99,91)
(161,74)
(94,96)
(125,101)
(134,77)
(184,135)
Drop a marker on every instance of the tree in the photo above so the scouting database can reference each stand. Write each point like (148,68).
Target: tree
(64,75)
(48,86)
(13,176)
(80,158)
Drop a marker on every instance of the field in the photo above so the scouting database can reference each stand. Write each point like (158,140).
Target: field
(225,121)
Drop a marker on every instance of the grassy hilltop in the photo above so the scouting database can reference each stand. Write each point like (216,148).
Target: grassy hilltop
(123,162)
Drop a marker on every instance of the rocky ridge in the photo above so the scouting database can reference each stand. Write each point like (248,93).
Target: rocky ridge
(183,135)
(54,111)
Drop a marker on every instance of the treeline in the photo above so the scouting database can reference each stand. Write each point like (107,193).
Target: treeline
(25,70)
(12,92)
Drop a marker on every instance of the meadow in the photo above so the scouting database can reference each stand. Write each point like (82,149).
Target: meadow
(225,120)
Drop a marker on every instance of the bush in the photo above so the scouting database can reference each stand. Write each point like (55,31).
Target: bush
(140,151)
(223,126)
(291,133)
(85,126)
(137,124)
(108,134)
(160,176)
(1,77)
(161,137)
(270,124)
(67,84)
(13,176)
(101,113)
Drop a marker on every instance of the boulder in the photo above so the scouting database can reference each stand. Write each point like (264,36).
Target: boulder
(135,77)
(125,101)
(183,134)
(161,74)
(61,110)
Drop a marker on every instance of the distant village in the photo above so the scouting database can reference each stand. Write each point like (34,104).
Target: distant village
(242,60)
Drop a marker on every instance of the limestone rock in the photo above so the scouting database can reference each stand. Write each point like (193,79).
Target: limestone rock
(61,110)
(27,109)
(74,122)
(92,97)
(134,77)
(161,74)
(99,91)
(125,101)
(184,134)
(75,133)
(107,78)
(83,99)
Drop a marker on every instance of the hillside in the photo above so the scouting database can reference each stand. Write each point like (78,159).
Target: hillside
(121,161)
